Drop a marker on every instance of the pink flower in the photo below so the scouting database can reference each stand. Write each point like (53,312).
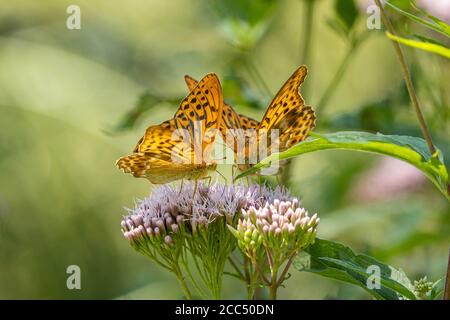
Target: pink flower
(388,179)
(438,8)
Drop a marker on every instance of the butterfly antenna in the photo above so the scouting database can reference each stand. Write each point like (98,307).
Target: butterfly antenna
(259,182)
(232,172)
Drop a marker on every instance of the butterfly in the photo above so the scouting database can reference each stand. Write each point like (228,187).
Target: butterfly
(287,113)
(180,148)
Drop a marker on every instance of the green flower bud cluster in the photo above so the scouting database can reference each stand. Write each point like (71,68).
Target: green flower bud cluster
(281,227)
(423,288)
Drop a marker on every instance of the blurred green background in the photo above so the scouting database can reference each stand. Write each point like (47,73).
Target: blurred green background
(73,101)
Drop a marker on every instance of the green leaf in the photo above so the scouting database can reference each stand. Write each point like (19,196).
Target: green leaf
(338,26)
(441,24)
(435,23)
(244,23)
(339,262)
(410,149)
(146,102)
(347,12)
(427,39)
(426,46)
(438,289)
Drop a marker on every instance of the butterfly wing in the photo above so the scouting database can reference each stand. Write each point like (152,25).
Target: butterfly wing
(160,158)
(232,122)
(296,127)
(155,169)
(287,99)
(230,118)
(200,115)
(163,156)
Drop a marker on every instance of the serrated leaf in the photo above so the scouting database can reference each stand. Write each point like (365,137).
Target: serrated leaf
(334,260)
(409,149)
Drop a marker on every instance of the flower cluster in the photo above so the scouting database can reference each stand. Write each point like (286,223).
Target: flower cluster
(423,288)
(282,227)
(177,221)
(168,209)
(273,234)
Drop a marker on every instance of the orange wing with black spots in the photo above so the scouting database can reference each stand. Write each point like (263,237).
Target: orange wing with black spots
(200,113)
(230,118)
(286,113)
(287,99)
(162,155)
(296,127)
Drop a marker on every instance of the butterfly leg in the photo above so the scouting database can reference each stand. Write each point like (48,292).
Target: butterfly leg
(195,189)
(259,182)
(181,185)
(277,177)
(233,167)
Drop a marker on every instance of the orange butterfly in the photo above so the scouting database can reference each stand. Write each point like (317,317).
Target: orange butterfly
(180,148)
(287,113)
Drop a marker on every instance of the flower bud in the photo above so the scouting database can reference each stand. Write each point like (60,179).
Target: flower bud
(168,240)
(180,219)
(137,220)
(160,225)
(130,224)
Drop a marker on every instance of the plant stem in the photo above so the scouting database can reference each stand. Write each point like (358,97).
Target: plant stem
(249,275)
(408,80)
(182,281)
(273,288)
(307,33)
(305,57)
(334,83)
(258,78)
(273,291)
(286,269)
(236,268)
(447,280)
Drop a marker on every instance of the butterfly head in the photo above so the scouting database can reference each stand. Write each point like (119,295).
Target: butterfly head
(212,166)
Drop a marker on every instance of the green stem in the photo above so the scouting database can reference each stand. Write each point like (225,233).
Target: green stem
(334,83)
(286,269)
(305,43)
(236,268)
(447,280)
(258,78)
(408,80)
(249,275)
(182,281)
(193,280)
(273,288)
(307,34)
